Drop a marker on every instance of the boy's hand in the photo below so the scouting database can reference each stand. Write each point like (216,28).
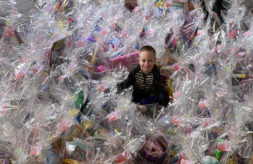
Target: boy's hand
(142,108)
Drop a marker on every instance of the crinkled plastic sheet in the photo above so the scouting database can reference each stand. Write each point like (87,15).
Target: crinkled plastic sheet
(58,96)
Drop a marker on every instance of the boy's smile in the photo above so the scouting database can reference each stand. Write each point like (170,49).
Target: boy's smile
(147,61)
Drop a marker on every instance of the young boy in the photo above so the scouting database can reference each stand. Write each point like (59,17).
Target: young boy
(145,79)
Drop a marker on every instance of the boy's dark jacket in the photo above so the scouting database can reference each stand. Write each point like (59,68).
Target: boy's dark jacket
(138,93)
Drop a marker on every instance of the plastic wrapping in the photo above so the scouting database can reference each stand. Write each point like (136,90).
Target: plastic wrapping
(61,61)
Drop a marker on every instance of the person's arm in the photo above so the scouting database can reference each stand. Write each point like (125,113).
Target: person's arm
(127,83)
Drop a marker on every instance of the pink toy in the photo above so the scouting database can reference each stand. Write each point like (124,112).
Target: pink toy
(64,125)
(115,115)
(186,162)
(203,104)
(224,146)
(36,150)
(125,60)
(100,69)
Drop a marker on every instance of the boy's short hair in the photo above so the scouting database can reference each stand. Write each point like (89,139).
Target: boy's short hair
(149,49)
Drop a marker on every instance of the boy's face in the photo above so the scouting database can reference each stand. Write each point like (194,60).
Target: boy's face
(147,61)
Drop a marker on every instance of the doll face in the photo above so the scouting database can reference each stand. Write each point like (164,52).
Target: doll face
(146,61)
(154,148)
